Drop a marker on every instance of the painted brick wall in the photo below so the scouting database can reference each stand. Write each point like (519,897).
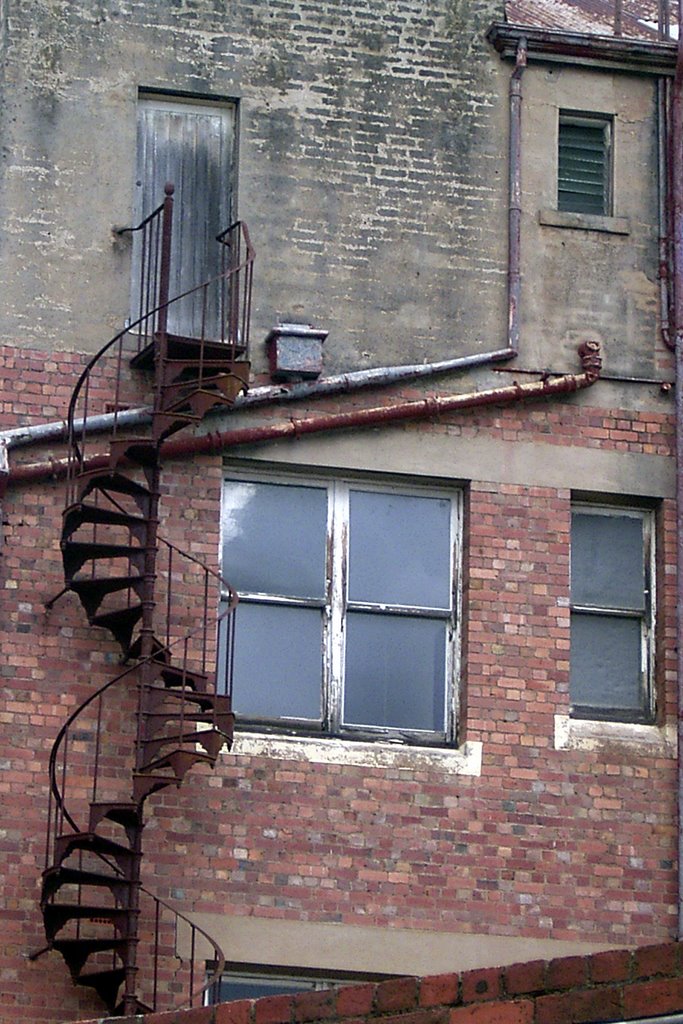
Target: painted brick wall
(615,985)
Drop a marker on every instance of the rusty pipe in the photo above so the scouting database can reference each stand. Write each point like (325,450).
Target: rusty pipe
(677,183)
(515,197)
(664,272)
(416,409)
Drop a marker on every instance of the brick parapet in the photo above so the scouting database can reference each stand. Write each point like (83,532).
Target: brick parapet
(619,984)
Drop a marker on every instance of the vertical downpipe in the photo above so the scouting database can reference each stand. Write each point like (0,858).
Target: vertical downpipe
(515,197)
(677,188)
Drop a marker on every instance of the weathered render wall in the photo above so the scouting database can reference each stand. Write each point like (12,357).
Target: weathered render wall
(371,164)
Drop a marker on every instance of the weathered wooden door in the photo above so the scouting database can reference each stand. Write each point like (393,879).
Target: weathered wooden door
(191,145)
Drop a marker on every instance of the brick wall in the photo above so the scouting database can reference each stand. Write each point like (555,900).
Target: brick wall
(546,844)
(610,986)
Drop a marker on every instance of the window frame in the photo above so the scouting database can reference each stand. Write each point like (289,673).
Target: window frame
(590,119)
(647,712)
(336,605)
(283,980)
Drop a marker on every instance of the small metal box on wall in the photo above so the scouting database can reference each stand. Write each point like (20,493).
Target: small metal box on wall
(295,352)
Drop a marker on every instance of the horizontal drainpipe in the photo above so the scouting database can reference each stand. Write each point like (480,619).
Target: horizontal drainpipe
(373,416)
(57,430)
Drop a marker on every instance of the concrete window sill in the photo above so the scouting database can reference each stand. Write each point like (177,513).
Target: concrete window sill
(585,222)
(585,734)
(465,760)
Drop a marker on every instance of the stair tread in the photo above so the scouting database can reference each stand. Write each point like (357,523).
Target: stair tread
(107,584)
(166,761)
(111,481)
(86,512)
(178,345)
(82,910)
(95,842)
(81,546)
(77,876)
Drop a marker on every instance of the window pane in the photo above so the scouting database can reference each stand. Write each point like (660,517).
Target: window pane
(395,672)
(399,550)
(274,538)
(607,561)
(278,662)
(606,663)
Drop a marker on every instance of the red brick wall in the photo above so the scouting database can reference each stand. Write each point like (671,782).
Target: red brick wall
(610,986)
(545,844)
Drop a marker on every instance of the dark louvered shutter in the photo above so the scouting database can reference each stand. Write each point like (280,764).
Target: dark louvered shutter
(192,146)
(583,166)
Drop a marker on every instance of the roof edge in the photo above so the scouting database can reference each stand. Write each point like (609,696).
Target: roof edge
(581,48)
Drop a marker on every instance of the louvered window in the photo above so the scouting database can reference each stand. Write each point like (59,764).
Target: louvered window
(192,146)
(584,164)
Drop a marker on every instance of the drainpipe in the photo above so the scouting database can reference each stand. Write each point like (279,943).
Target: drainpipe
(515,198)
(57,430)
(664,213)
(677,187)
(417,409)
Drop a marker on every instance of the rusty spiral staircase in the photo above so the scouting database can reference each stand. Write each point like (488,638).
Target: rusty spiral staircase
(169,709)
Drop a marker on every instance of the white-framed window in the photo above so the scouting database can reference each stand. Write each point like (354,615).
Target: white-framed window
(612,613)
(584,163)
(347,623)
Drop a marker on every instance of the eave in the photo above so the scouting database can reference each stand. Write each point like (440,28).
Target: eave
(585,50)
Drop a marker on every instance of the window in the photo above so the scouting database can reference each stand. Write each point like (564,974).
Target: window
(346,622)
(245,983)
(191,145)
(584,164)
(611,614)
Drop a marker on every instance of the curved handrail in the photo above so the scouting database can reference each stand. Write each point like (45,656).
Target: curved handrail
(219,955)
(224,275)
(54,752)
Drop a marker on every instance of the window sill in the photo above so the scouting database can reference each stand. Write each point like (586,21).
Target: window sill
(590,735)
(585,222)
(466,760)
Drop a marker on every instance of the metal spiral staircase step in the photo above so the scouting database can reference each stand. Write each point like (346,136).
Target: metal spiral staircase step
(183,677)
(157,695)
(91,592)
(107,984)
(82,513)
(140,450)
(179,761)
(57,915)
(123,813)
(159,651)
(96,480)
(228,385)
(182,348)
(199,401)
(76,553)
(223,721)
(66,844)
(121,623)
(77,951)
(212,740)
(56,877)
(146,783)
